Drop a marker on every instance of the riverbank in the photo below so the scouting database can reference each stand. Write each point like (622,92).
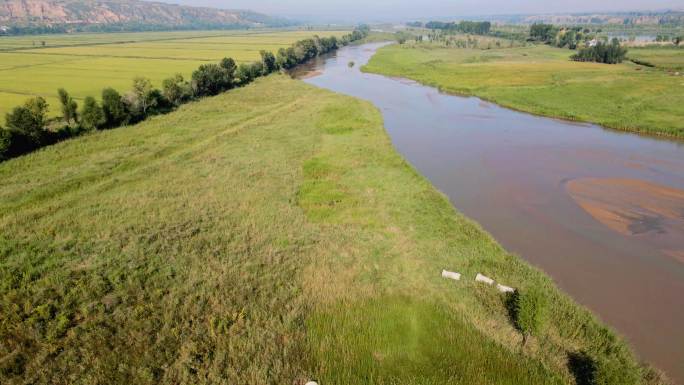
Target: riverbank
(542,80)
(270,234)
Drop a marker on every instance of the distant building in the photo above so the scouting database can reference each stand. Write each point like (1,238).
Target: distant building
(592,43)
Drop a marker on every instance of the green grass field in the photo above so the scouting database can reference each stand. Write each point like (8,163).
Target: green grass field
(667,57)
(542,80)
(84,64)
(268,235)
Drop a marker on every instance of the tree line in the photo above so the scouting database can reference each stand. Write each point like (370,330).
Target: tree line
(27,126)
(590,48)
(608,53)
(195,25)
(473,27)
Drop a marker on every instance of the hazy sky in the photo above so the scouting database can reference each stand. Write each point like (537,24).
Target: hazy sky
(408,9)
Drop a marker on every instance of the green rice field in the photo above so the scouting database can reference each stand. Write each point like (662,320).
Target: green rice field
(84,64)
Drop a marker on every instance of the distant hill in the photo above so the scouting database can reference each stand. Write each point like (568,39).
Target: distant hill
(670,17)
(70,14)
(633,18)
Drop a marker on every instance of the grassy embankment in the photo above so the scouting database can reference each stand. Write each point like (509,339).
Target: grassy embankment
(264,236)
(84,64)
(542,80)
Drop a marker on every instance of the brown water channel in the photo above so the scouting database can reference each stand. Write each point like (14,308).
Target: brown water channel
(600,211)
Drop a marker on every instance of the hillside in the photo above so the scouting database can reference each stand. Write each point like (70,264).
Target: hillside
(86,12)
(268,235)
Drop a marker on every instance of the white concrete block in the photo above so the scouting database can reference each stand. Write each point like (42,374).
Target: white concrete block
(312,383)
(505,289)
(484,279)
(451,275)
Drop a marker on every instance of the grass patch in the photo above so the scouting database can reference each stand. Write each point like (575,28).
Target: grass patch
(242,240)
(542,80)
(408,341)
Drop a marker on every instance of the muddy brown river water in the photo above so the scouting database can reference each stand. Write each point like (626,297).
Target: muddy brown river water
(600,211)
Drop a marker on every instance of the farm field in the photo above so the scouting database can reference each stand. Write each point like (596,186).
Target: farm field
(267,235)
(668,58)
(84,64)
(543,80)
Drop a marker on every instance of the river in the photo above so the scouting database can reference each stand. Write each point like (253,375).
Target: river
(600,211)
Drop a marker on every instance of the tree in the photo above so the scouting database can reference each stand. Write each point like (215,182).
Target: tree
(268,61)
(543,32)
(529,312)
(143,91)
(287,58)
(69,106)
(402,37)
(92,116)
(29,120)
(210,79)
(229,67)
(176,90)
(244,74)
(677,40)
(611,53)
(113,107)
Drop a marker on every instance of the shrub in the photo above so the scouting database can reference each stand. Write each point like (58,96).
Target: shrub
(92,116)
(611,371)
(5,143)
(113,108)
(69,106)
(29,119)
(210,79)
(176,90)
(144,94)
(268,62)
(611,53)
(530,309)
(603,368)
(229,66)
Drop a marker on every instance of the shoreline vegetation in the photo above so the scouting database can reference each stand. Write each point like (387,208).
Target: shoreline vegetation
(265,235)
(544,81)
(28,127)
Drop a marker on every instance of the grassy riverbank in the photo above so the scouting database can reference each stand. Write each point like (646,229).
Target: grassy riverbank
(542,80)
(264,236)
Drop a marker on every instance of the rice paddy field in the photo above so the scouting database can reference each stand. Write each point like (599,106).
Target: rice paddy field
(84,64)
(543,80)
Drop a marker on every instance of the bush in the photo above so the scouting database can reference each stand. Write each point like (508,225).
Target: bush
(5,143)
(176,90)
(29,120)
(92,116)
(210,79)
(602,368)
(114,109)
(268,62)
(14,143)
(69,106)
(530,310)
(611,53)
(611,371)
